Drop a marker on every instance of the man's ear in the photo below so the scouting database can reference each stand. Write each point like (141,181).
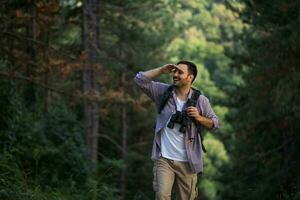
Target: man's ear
(192,77)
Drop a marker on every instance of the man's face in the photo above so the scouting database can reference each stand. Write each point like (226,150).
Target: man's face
(181,76)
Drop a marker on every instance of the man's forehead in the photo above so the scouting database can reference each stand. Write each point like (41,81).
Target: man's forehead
(182,67)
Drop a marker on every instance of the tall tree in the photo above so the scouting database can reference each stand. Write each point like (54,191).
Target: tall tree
(124,139)
(90,34)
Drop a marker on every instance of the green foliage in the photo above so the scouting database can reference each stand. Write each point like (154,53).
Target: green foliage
(266,151)
(39,150)
(248,71)
(215,159)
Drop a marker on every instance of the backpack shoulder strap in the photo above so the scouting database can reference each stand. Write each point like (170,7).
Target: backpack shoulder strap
(194,98)
(165,97)
(196,94)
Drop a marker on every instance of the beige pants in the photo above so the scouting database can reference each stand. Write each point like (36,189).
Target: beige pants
(167,172)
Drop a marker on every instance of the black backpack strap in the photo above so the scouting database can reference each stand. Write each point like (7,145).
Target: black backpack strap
(165,97)
(196,94)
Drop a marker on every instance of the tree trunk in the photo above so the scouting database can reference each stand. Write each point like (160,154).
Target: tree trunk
(124,141)
(30,70)
(32,30)
(90,44)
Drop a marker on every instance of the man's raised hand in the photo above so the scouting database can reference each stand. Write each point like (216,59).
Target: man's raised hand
(168,68)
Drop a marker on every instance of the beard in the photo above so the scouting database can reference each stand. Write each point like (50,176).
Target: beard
(179,81)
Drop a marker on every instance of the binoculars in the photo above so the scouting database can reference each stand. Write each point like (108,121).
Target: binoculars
(180,118)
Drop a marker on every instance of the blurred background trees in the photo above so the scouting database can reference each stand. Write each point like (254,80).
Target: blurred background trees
(265,158)
(74,126)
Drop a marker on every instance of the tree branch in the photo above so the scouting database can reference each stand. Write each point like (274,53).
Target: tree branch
(21,37)
(14,76)
(35,82)
(112,141)
(138,144)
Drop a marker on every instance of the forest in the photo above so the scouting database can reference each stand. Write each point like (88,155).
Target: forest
(74,126)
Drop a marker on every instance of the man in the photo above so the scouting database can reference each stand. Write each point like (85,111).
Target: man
(177,148)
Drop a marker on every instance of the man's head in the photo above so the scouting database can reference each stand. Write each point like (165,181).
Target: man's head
(184,73)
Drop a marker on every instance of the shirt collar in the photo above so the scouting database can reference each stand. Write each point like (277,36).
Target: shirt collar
(189,95)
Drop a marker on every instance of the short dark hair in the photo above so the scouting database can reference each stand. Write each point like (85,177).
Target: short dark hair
(192,68)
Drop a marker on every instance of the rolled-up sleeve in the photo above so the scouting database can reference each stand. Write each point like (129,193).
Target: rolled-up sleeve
(151,88)
(208,112)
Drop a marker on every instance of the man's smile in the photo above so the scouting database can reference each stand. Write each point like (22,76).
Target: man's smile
(176,79)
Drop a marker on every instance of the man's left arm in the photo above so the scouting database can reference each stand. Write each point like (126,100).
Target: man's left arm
(208,118)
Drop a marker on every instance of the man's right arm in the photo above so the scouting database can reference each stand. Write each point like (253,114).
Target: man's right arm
(152,73)
(152,88)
